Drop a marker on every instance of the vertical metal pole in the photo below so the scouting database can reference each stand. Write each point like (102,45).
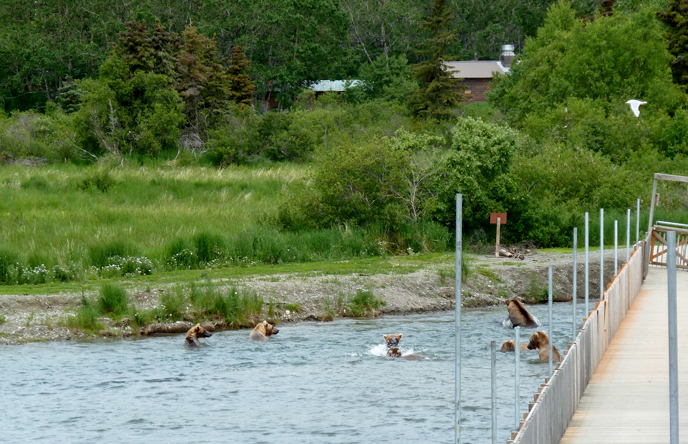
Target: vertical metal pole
(637,224)
(457,321)
(601,253)
(517,376)
(493,362)
(646,260)
(551,368)
(628,233)
(587,267)
(575,276)
(616,247)
(673,338)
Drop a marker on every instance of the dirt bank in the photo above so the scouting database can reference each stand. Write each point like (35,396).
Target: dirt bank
(431,288)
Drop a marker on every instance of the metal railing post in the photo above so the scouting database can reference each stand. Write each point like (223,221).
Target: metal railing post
(493,365)
(637,224)
(628,233)
(575,276)
(601,253)
(517,377)
(673,337)
(551,338)
(587,267)
(616,247)
(457,322)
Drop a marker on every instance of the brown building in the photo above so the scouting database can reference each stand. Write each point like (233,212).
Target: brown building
(477,74)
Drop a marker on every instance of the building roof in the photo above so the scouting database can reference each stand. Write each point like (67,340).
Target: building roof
(475,69)
(333,85)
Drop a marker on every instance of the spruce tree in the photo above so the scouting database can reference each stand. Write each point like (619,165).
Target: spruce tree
(676,19)
(438,92)
(153,50)
(241,86)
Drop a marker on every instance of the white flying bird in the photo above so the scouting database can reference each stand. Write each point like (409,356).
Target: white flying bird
(635,106)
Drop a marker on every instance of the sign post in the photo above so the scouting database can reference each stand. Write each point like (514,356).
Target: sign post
(499,219)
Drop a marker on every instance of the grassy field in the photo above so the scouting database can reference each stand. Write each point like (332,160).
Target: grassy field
(66,223)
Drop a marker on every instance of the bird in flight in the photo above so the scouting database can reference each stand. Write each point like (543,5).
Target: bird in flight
(635,106)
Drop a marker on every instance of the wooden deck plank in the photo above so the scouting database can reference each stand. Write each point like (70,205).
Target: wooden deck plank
(627,399)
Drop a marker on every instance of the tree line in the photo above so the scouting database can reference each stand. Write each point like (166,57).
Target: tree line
(288,42)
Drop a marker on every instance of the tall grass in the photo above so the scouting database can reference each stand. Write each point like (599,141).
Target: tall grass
(62,222)
(193,303)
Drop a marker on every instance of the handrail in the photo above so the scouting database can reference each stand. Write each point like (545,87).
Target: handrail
(556,401)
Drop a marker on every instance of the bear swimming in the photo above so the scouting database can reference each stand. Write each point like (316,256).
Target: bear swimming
(518,315)
(394,352)
(509,346)
(392,340)
(193,334)
(539,341)
(262,331)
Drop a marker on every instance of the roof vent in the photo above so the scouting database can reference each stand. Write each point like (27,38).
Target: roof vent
(507,55)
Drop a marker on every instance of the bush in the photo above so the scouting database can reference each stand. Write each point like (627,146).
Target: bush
(100,255)
(364,303)
(113,300)
(86,318)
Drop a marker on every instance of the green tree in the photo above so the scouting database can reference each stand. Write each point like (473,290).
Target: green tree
(241,86)
(150,50)
(438,93)
(676,19)
(203,82)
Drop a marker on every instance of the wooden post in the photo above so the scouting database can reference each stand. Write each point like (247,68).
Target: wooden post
(499,224)
(499,219)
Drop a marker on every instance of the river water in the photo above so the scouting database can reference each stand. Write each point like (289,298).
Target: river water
(311,383)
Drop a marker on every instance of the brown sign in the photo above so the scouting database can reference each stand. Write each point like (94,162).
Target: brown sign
(501,216)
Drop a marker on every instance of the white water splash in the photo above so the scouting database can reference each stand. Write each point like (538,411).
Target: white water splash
(381,350)
(506,323)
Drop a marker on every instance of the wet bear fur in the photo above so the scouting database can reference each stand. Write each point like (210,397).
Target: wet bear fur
(392,340)
(193,334)
(394,352)
(509,346)
(262,331)
(518,315)
(540,342)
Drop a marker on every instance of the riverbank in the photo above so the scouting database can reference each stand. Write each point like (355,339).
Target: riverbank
(405,287)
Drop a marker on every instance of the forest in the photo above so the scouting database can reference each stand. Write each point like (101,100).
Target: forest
(134,137)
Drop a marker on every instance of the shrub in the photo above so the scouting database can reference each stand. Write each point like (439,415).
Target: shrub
(364,303)
(86,318)
(113,300)
(100,255)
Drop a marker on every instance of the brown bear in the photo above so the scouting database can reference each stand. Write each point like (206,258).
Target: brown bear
(509,346)
(539,341)
(262,331)
(518,315)
(193,334)
(394,352)
(392,340)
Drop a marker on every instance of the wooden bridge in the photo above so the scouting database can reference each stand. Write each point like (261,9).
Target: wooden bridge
(612,385)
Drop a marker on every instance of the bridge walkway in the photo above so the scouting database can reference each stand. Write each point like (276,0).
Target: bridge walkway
(627,398)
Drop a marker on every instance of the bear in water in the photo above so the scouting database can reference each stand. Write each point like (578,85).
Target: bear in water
(193,334)
(518,315)
(540,342)
(262,331)
(392,340)
(394,352)
(509,346)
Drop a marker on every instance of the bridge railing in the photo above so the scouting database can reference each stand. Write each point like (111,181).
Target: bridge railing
(658,250)
(557,400)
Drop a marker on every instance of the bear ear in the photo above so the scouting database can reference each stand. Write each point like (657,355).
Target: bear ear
(400,335)
(385,336)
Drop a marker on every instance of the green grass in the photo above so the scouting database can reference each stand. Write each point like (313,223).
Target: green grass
(63,223)
(363,303)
